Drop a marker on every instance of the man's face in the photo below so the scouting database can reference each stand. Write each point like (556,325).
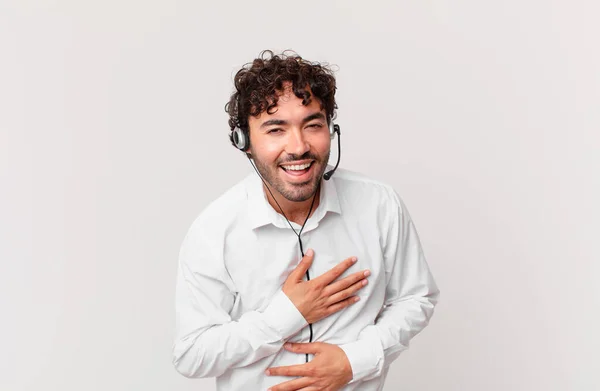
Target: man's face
(291,146)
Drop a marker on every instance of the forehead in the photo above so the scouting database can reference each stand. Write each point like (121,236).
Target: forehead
(289,105)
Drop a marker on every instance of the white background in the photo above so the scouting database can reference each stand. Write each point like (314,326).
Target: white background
(483,115)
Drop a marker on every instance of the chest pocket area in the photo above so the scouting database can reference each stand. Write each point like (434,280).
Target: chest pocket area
(324,263)
(376,281)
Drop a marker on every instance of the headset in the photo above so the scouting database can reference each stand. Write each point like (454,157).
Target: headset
(241,141)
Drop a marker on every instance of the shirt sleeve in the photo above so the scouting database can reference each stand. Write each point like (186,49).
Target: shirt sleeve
(208,341)
(411,295)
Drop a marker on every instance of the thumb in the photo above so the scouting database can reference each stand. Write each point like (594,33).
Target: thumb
(310,347)
(304,264)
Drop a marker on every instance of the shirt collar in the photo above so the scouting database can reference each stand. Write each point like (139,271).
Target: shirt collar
(261,213)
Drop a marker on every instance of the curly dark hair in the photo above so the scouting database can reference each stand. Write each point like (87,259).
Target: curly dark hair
(258,83)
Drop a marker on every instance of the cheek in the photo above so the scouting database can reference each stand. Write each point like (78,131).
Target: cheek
(267,153)
(322,146)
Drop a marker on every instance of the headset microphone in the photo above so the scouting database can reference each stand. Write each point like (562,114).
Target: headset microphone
(328,174)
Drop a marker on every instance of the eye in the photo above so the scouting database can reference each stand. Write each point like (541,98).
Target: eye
(275,130)
(316,126)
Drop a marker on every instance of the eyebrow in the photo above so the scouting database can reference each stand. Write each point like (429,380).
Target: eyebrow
(271,122)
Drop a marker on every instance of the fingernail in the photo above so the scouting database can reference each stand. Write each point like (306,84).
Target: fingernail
(354,259)
(367,273)
(267,372)
(288,345)
(365,282)
(357,298)
(309,252)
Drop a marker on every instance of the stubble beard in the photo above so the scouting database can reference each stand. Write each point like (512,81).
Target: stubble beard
(295,192)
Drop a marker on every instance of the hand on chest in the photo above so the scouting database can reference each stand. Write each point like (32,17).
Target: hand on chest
(258,273)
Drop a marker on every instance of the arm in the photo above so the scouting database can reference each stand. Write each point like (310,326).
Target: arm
(411,295)
(208,342)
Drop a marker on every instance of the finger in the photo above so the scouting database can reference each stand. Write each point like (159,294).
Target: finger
(293,385)
(342,304)
(307,259)
(344,283)
(309,347)
(346,293)
(290,370)
(329,276)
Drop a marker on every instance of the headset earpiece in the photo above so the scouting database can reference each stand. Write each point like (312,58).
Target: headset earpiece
(331,129)
(240,139)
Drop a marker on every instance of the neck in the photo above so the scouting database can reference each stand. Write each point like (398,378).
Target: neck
(294,211)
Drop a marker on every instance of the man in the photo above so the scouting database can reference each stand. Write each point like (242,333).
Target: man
(248,311)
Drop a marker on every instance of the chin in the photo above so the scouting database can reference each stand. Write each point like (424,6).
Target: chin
(299,192)
(295,188)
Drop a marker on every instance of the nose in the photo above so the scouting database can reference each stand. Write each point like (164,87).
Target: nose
(297,143)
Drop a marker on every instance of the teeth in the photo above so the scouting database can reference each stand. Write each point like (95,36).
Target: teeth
(297,167)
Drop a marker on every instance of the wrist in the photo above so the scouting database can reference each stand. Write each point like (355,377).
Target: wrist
(282,315)
(365,358)
(300,303)
(346,366)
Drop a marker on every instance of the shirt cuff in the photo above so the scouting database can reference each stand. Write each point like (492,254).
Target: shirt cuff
(365,358)
(283,316)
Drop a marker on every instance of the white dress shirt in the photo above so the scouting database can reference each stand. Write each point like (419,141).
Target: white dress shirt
(232,318)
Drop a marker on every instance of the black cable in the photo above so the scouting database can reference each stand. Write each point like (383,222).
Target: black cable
(290,224)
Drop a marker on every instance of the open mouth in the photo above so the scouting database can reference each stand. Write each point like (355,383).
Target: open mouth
(297,170)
